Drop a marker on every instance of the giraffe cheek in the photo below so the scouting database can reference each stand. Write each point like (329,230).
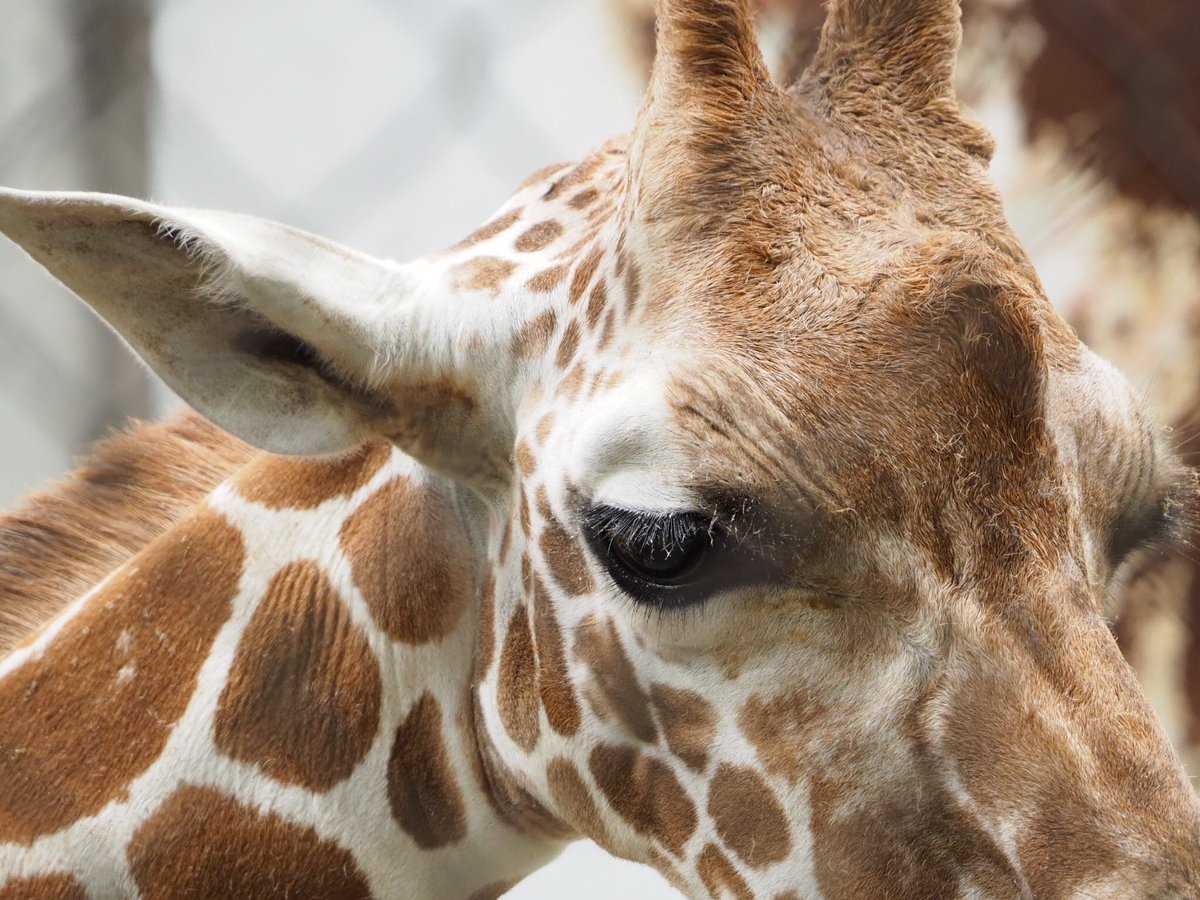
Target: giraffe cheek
(646,793)
(615,692)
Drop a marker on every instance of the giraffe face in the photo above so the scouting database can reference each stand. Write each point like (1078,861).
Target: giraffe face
(802,576)
(829,613)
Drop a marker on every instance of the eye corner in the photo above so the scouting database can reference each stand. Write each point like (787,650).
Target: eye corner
(1158,527)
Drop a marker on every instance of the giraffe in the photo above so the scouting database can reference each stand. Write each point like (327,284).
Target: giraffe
(734,497)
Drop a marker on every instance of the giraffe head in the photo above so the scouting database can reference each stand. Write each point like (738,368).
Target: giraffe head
(794,504)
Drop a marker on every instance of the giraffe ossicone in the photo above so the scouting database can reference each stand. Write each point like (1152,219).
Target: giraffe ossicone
(734,498)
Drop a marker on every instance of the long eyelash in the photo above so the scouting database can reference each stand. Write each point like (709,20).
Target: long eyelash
(639,528)
(1178,518)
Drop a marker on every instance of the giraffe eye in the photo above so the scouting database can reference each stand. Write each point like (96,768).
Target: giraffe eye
(655,558)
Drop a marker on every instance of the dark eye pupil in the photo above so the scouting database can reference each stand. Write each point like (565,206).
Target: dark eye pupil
(661,557)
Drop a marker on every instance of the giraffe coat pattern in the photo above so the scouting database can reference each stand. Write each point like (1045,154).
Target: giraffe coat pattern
(412,657)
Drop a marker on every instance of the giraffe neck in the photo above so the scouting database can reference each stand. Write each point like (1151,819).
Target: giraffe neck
(288,668)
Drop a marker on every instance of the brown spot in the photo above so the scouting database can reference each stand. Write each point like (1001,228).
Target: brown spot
(609,332)
(282,482)
(568,346)
(544,427)
(569,386)
(202,844)
(780,729)
(689,722)
(720,877)
(574,801)
(489,230)
(526,460)
(646,793)
(598,645)
(748,816)
(787,895)
(585,272)
(487,621)
(43,887)
(485,273)
(524,516)
(518,684)
(596,303)
(96,709)
(583,199)
(561,553)
(554,679)
(422,787)
(542,174)
(548,280)
(534,336)
(131,489)
(577,175)
(633,286)
(302,699)
(539,236)
(411,560)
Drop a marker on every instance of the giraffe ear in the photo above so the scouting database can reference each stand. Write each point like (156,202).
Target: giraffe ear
(275,335)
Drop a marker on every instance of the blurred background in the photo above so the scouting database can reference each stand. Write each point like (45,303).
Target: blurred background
(396,126)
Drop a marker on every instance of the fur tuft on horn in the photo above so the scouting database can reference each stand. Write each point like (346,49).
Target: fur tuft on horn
(710,94)
(880,61)
(707,46)
(909,47)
